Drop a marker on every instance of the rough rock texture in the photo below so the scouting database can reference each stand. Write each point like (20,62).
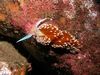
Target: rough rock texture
(11,62)
(80,17)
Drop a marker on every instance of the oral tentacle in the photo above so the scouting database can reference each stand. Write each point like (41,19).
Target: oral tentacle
(26,37)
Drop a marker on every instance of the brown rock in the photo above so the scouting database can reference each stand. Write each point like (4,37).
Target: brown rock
(11,60)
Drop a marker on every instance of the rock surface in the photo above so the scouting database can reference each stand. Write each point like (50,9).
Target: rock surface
(11,62)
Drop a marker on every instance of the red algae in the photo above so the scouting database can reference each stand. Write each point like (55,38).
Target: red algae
(29,11)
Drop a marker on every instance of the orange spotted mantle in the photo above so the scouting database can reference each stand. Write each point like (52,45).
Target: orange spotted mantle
(57,38)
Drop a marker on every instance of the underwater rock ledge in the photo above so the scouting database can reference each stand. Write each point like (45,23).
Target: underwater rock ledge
(11,62)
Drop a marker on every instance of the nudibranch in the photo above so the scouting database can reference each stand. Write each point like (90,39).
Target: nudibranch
(57,38)
(48,33)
